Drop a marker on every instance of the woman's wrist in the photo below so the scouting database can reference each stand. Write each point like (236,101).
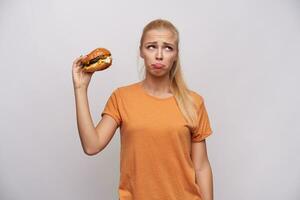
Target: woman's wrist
(80,88)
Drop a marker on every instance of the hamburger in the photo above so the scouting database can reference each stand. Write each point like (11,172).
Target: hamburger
(97,60)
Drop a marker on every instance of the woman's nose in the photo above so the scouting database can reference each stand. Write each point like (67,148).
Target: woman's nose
(159,54)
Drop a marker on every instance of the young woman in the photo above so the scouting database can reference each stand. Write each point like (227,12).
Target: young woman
(163,125)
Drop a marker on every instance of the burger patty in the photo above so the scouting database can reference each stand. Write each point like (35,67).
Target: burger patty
(94,60)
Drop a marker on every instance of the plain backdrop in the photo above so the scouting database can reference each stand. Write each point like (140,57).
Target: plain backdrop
(242,56)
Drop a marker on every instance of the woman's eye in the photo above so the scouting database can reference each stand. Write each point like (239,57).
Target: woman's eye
(166,47)
(169,48)
(150,47)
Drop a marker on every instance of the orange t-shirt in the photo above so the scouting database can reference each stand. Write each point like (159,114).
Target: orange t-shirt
(155,145)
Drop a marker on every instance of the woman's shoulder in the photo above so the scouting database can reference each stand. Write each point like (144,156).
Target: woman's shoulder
(126,89)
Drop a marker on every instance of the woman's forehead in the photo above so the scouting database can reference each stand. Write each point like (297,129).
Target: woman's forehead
(156,35)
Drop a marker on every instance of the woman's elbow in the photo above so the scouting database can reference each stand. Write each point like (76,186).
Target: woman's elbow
(91,151)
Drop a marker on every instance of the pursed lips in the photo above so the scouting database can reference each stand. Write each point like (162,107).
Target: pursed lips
(158,65)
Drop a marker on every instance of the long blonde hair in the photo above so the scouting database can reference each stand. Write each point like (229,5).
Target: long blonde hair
(179,88)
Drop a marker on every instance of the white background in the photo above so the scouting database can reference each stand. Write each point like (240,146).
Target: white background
(242,56)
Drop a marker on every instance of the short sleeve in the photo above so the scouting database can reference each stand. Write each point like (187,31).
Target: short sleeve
(203,129)
(112,107)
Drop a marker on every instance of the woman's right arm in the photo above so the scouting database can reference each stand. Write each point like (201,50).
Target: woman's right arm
(93,139)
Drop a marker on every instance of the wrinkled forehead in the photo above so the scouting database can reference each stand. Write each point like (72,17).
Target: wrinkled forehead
(160,35)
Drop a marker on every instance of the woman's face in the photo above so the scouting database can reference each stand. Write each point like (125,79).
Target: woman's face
(159,51)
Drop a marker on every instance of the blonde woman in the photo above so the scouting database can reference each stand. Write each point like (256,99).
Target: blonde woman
(163,125)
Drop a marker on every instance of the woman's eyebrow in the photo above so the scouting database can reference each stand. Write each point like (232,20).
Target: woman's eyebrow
(151,43)
(166,43)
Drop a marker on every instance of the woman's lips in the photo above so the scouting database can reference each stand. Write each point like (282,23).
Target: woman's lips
(158,65)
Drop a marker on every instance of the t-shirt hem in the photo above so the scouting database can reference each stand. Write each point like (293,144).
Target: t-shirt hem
(112,115)
(203,136)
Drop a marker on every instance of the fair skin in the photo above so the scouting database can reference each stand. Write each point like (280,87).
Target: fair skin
(93,139)
(159,46)
(204,176)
